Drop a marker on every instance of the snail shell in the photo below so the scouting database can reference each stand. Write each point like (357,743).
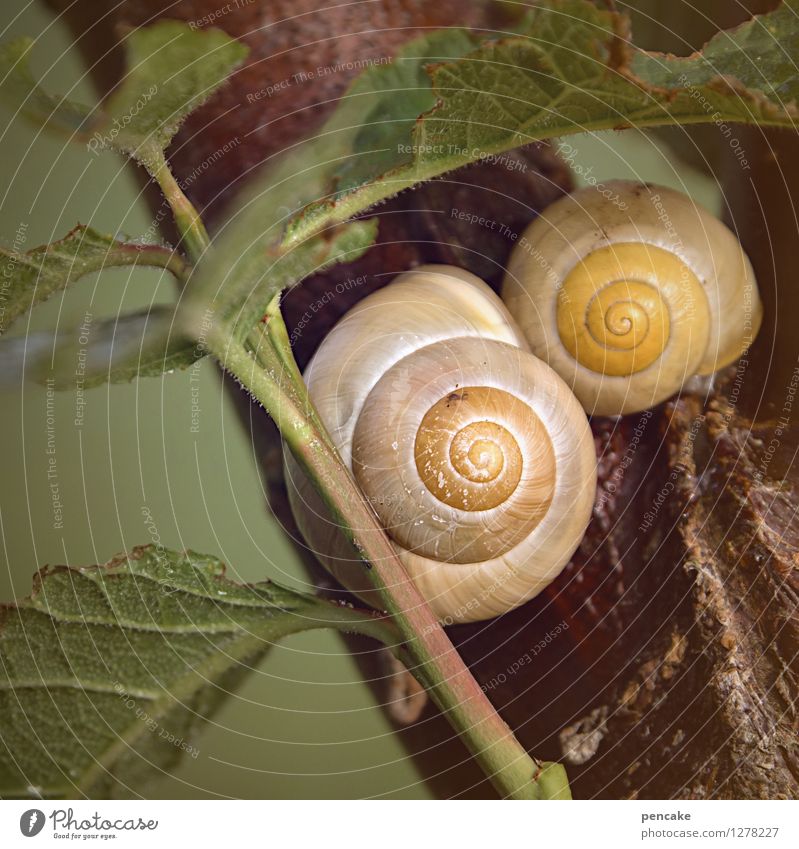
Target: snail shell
(628,292)
(474,454)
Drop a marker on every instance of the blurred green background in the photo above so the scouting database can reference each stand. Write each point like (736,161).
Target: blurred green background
(304,725)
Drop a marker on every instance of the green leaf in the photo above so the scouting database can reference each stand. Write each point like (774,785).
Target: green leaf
(142,344)
(171,70)
(748,73)
(573,69)
(449,99)
(111,350)
(376,117)
(27,279)
(107,671)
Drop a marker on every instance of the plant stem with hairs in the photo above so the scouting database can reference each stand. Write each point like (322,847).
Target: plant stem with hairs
(266,367)
(427,650)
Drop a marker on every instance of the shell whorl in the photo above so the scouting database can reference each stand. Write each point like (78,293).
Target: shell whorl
(476,457)
(627,303)
(467,471)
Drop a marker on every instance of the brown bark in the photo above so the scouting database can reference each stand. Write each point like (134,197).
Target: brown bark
(663,661)
(708,707)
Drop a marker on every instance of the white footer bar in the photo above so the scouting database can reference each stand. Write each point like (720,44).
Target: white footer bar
(400,825)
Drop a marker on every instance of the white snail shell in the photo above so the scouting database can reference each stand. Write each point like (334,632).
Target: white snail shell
(474,454)
(629,292)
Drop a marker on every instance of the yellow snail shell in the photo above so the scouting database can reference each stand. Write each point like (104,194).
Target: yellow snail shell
(629,292)
(474,454)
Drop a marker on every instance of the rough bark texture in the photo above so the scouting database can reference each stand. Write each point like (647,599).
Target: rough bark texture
(663,661)
(707,708)
(711,697)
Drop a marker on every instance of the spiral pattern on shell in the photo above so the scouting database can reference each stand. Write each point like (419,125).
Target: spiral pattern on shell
(474,454)
(628,298)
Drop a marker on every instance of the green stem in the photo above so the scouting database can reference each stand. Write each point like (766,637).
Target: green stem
(159,257)
(270,373)
(279,338)
(434,660)
(271,338)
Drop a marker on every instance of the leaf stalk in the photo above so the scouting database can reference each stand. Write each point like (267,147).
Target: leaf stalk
(188,221)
